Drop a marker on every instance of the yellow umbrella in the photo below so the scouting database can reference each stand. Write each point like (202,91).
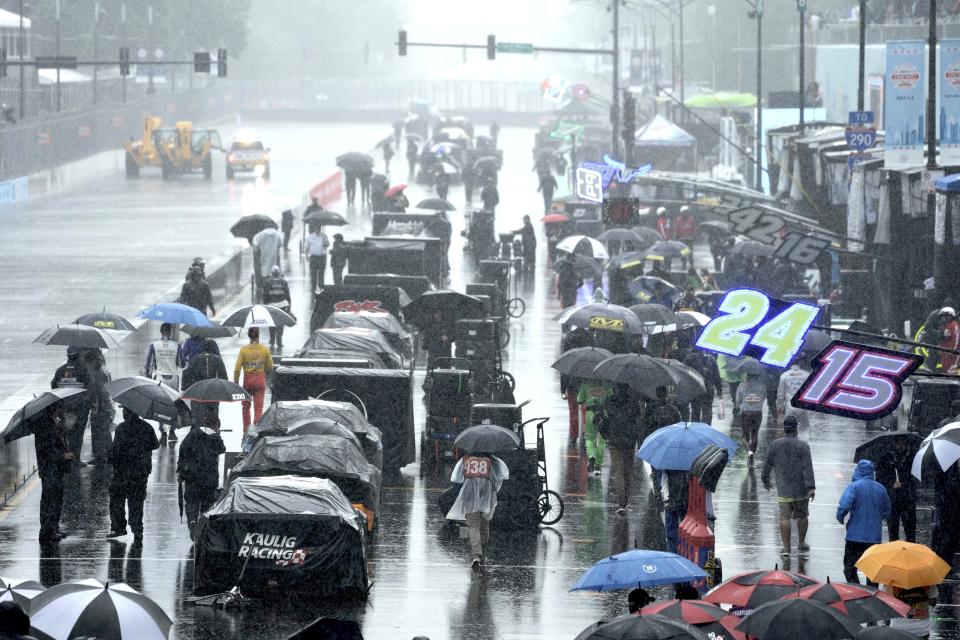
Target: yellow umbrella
(903,564)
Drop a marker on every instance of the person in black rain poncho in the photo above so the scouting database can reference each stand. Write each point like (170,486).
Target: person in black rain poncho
(197,465)
(133,444)
(208,364)
(53,463)
(529,236)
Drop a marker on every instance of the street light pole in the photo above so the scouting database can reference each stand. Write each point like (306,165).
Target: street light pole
(861,72)
(932,92)
(123,41)
(680,12)
(96,45)
(57,7)
(23,102)
(802,10)
(758,179)
(615,108)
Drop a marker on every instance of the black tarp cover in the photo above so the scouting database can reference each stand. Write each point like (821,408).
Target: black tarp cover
(292,532)
(353,339)
(320,456)
(368,442)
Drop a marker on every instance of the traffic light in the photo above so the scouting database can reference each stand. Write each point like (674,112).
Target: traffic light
(491,47)
(402,43)
(124,61)
(201,62)
(3,62)
(222,63)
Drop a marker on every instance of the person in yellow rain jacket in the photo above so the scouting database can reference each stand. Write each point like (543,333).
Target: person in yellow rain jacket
(256,362)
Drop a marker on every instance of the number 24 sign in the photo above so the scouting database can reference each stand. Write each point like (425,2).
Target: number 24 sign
(856,381)
(751,323)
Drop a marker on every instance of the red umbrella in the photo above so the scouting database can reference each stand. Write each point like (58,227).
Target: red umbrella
(708,618)
(754,588)
(551,218)
(394,190)
(863,604)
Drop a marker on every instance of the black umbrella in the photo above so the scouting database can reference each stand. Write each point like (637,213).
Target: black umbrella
(815,341)
(602,316)
(716,228)
(652,313)
(650,627)
(749,366)
(580,362)
(622,235)
(487,163)
(797,619)
(628,260)
(249,226)
(90,608)
(752,249)
(19,425)
(584,267)
(877,448)
(641,372)
(643,287)
(355,161)
(436,204)
(325,218)
(149,399)
(104,320)
(215,390)
(452,305)
(215,330)
(77,335)
(688,383)
(667,250)
(648,234)
(487,438)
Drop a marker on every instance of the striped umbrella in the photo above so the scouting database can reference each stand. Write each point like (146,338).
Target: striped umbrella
(942,444)
(100,610)
(19,591)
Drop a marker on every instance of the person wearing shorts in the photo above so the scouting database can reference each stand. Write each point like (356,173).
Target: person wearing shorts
(789,458)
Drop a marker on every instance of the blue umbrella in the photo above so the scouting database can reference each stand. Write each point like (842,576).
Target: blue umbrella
(175,313)
(674,448)
(638,568)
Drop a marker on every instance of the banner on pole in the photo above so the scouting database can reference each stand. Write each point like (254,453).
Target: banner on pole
(949,102)
(904,106)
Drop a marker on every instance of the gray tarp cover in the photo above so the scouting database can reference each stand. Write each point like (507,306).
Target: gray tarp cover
(378,321)
(353,339)
(325,456)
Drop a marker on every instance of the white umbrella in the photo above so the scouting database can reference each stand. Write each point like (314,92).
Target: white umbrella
(583,246)
(258,315)
(943,444)
(19,591)
(107,611)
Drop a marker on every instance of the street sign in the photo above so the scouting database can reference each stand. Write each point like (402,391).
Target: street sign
(589,185)
(861,131)
(514,47)
(56,62)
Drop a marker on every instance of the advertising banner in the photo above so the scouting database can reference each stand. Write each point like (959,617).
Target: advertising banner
(904,105)
(949,112)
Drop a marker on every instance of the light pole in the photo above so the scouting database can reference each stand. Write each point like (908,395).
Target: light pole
(757,14)
(615,106)
(123,42)
(861,71)
(20,41)
(802,10)
(57,11)
(96,47)
(150,88)
(680,20)
(712,12)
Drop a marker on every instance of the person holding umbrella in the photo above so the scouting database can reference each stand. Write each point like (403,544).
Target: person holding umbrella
(256,363)
(197,464)
(54,458)
(480,475)
(102,412)
(893,472)
(592,395)
(568,282)
(620,425)
(164,362)
(133,444)
(76,411)
(208,364)
(276,292)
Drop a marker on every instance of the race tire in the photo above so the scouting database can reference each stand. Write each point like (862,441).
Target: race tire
(504,336)
(550,507)
(511,382)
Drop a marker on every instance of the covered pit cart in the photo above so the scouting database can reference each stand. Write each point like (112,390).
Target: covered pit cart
(381,321)
(353,339)
(385,396)
(321,456)
(281,532)
(364,296)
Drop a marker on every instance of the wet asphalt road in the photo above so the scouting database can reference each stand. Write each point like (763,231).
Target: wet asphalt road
(419,566)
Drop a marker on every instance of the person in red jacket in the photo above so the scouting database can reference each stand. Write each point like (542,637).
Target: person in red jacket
(685,229)
(950,339)
(663,224)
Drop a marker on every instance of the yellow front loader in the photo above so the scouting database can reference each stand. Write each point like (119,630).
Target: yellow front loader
(186,150)
(143,153)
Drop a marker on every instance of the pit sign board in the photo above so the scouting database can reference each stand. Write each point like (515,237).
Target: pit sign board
(589,185)
(861,131)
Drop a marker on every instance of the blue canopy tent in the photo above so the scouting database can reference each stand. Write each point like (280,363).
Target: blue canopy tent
(666,146)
